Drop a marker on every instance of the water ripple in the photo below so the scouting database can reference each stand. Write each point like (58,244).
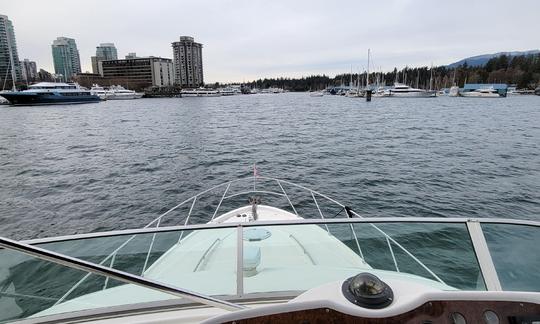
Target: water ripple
(115,165)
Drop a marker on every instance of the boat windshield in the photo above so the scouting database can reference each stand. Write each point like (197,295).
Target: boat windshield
(236,261)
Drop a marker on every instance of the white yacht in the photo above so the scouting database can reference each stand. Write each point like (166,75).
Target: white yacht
(115,92)
(99,91)
(354,93)
(400,90)
(229,91)
(215,259)
(272,90)
(120,93)
(454,91)
(481,93)
(200,92)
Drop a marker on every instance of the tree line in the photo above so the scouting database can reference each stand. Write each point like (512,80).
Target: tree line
(522,71)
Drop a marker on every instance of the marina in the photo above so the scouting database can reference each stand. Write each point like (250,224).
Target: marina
(277,162)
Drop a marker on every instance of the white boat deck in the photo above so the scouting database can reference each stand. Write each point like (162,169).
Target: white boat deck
(291,258)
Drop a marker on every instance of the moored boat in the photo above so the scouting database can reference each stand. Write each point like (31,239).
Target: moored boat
(400,90)
(454,91)
(200,92)
(99,91)
(120,93)
(481,93)
(48,93)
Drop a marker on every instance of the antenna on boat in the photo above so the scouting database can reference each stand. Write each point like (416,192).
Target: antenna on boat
(254,201)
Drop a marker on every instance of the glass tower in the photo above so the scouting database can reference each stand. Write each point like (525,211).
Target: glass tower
(66,58)
(10,69)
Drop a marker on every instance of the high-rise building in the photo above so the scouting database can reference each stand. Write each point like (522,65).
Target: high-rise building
(10,69)
(187,55)
(131,56)
(29,70)
(66,58)
(139,73)
(105,51)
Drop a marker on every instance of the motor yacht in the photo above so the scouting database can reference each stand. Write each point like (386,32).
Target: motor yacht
(454,91)
(120,93)
(402,90)
(99,91)
(272,90)
(200,92)
(481,93)
(49,93)
(289,254)
(229,91)
(353,93)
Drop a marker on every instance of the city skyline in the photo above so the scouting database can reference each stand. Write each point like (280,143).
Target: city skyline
(249,40)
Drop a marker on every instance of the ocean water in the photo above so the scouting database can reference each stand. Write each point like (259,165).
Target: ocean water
(119,164)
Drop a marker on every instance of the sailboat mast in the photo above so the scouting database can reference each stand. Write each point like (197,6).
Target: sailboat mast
(367,78)
(350,81)
(431,78)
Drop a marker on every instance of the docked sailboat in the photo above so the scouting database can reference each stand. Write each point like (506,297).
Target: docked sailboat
(215,259)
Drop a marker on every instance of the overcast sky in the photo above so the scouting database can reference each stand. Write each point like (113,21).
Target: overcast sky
(249,39)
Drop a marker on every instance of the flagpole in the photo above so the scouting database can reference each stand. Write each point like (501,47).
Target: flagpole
(254,176)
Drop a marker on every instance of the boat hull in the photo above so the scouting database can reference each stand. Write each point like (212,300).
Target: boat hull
(49,98)
(124,97)
(419,94)
(479,95)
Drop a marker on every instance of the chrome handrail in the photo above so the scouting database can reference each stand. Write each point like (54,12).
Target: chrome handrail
(154,225)
(125,277)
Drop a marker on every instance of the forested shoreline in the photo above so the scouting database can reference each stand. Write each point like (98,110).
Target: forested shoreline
(522,71)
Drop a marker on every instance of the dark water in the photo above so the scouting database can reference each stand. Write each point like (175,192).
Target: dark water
(118,164)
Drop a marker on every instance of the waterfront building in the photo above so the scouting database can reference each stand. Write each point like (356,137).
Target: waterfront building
(10,69)
(105,51)
(139,73)
(187,55)
(67,62)
(89,79)
(29,70)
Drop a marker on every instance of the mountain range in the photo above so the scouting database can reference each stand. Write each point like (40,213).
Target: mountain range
(481,60)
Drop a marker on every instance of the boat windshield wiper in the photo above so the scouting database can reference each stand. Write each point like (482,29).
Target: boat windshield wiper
(125,277)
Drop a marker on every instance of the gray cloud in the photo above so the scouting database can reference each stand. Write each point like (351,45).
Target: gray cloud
(244,40)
